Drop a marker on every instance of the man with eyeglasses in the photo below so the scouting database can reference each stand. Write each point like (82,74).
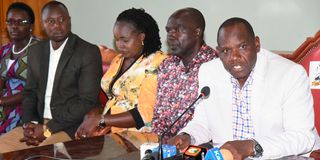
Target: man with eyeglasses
(63,80)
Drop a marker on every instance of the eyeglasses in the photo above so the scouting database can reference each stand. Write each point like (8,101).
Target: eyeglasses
(58,21)
(19,22)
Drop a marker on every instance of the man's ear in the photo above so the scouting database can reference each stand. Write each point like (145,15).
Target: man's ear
(218,50)
(257,43)
(198,31)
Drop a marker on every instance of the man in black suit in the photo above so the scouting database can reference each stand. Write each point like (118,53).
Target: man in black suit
(63,83)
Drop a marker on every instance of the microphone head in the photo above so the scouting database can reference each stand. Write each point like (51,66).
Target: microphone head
(148,155)
(148,151)
(205,92)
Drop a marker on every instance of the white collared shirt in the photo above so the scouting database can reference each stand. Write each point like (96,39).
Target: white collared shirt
(53,63)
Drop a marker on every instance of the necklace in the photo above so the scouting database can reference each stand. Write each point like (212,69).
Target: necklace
(25,47)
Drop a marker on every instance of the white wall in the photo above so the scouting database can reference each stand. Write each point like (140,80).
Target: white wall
(281,24)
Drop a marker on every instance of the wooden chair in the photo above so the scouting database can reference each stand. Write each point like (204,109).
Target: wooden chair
(304,48)
(308,52)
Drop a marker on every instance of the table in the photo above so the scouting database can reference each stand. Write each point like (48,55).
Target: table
(109,147)
(114,146)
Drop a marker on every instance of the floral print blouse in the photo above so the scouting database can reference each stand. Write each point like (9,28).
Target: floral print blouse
(135,89)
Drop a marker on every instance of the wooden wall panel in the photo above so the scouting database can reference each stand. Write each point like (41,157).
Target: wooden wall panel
(3,33)
(36,6)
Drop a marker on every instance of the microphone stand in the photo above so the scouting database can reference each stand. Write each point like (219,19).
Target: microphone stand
(160,156)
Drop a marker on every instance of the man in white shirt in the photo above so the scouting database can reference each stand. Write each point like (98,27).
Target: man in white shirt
(260,105)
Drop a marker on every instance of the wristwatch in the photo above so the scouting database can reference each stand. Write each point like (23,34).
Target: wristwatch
(102,123)
(46,131)
(257,149)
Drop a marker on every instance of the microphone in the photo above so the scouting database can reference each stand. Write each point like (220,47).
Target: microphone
(204,94)
(217,154)
(148,155)
(195,152)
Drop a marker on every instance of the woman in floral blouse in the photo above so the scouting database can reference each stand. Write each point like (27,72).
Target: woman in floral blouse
(131,81)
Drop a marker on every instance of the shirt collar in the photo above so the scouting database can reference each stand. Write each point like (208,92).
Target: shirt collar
(60,48)
(205,54)
(249,81)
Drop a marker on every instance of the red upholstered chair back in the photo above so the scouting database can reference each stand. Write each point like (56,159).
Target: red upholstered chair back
(308,54)
(314,56)
(107,56)
(102,98)
(304,48)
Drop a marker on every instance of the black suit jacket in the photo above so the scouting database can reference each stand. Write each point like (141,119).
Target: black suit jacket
(76,84)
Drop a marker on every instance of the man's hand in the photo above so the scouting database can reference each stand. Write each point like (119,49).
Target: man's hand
(28,130)
(240,149)
(33,134)
(181,141)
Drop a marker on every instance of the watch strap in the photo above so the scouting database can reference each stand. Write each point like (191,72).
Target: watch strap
(46,131)
(257,149)
(102,123)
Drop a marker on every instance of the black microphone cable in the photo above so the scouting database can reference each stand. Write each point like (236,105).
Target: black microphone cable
(204,94)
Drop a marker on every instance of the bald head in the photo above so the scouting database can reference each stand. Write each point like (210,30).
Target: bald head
(53,4)
(237,21)
(193,15)
(185,32)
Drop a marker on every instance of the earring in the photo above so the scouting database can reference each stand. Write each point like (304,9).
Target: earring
(142,43)
(30,30)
